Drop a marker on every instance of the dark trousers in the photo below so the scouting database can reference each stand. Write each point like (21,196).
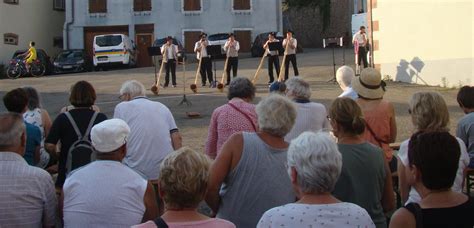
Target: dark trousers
(290,58)
(273,60)
(232,63)
(362,56)
(206,68)
(170,66)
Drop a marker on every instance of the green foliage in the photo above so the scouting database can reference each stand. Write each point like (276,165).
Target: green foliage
(324,7)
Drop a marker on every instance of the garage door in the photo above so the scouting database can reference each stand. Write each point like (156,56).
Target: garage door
(190,38)
(245,39)
(90,32)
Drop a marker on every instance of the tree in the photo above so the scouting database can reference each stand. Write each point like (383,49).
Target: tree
(324,7)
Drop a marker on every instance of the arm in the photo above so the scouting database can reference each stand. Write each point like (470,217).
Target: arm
(393,125)
(46,121)
(237,46)
(226,45)
(149,199)
(402,218)
(403,185)
(197,47)
(266,45)
(162,49)
(293,44)
(388,198)
(176,139)
(211,143)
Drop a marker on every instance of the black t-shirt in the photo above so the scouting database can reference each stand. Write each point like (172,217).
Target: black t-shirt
(62,130)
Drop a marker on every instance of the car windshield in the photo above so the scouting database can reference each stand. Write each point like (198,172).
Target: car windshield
(107,41)
(70,55)
(220,36)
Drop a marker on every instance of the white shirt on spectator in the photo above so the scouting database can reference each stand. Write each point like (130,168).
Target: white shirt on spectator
(150,138)
(310,116)
(349,92)
(104,194)
(316,215)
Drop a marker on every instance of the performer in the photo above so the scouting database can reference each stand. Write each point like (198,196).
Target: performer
(273,59)
(231,48)
(206,64)
(290,53)
(360,40)
(170,60)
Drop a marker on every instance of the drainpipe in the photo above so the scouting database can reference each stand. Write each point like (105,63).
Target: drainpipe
(67,24)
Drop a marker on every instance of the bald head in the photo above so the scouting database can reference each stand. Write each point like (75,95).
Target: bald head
(12,130)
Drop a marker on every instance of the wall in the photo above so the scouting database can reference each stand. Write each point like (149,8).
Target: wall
(31,20)
(425,41)
(216,16)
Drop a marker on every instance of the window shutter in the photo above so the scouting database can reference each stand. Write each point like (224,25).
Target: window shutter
(192,5)
(146,5)
(241,4)
(97,6)
(137,5)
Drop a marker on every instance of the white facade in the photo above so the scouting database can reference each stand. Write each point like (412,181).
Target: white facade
(30,20)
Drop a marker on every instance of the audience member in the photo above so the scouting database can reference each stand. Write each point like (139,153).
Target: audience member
(107,193)
(314,165)
(251,167)
(28,197)
(154,133)
(71,126)
(379,114)
(310,116)
(429,113)
(184,175)
(344,76)
(365,177)
(236,116)
(465,128)
(39,117)
(433,159)
(17,101)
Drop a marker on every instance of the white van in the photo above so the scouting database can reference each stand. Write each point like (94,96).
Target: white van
(114,49)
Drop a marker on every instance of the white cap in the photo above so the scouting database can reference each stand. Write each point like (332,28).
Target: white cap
(109,135)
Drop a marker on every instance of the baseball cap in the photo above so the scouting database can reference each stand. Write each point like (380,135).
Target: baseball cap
(109,135)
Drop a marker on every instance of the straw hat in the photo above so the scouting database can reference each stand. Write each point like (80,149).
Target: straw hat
(369,84)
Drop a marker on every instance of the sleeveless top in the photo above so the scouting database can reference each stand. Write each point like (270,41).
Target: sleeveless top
(259,182)
(104,194)
(34,117)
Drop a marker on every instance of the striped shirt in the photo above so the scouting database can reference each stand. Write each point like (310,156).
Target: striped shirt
(27,194)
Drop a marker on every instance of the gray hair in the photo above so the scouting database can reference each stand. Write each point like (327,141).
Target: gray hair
(241,87)
(429,111)
(299,88)
(133,88)
(317,162)
(344,76)
(276,115)
(11,129)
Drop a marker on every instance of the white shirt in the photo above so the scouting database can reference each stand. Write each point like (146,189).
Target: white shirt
(310,116)
(150,139)
(203,49)
(457,186)
(360,38)
(171,51)
(104,194)
(349,92)
(232,50)
(289,50)
(316,215)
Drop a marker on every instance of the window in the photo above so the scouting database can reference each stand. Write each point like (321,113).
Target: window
(10,38)
(97,6)
(58,42)
(241,4)
(141,5)
(192,5)
(59,5)
(11,1)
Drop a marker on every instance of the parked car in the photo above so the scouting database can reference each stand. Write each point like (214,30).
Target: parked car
(42,57)
(74,60)
(257,46)
(113,49)
(219,39)
(161,41)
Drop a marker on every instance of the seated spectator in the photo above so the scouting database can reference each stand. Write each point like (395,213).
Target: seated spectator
(433,159)
(28,196)
(39,117)
(310,116)
(379,114)
(314,165)
(365,177)
(236,116)
(429,113)
(344,76)
(184,175)
(84,117)
(17,101)
(465,128)
(106,193)
(249,175)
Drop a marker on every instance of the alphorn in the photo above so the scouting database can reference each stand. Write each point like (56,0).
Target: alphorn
(155,88)
(280,76)
(194,86)
(259,67)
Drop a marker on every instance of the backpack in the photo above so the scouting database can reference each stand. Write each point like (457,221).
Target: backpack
(81,151)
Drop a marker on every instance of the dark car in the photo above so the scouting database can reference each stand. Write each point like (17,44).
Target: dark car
(42,57)
(74,60)
(257,46)
(160,42)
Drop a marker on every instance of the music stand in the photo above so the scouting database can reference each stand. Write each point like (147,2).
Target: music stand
(275,46)
(182,60)
(214,51)
(333,42)
(152,52)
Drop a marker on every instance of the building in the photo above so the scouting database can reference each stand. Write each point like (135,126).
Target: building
(146,20)
(424,41)
(22,21)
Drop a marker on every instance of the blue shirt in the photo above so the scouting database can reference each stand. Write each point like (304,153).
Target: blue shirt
(33,140)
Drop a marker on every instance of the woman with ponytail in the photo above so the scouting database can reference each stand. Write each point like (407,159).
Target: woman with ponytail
(365,177)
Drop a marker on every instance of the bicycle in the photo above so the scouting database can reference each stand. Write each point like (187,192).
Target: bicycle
(17,68)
